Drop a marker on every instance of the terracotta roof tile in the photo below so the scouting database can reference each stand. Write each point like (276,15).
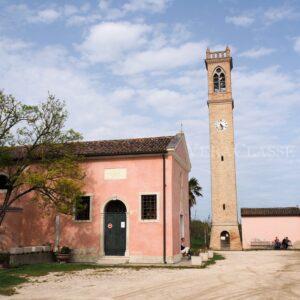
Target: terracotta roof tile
(150,145)
(137,146)
(273,211)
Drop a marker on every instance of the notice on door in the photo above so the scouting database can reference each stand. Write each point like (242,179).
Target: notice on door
(122,224)
(115,174)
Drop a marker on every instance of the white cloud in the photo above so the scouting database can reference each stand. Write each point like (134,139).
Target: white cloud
(280,13)
(108,12)
(49,14)
(257,52)
(155,6)
(45,16)
(29,73)
(108,41)
(13,45)
(162,59)
(241,20)
(70,10)
(167,102)
(297,44)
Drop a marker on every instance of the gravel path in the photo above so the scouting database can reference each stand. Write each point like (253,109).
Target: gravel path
(243,275)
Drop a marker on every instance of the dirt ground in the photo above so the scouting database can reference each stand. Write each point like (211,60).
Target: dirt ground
(243,275)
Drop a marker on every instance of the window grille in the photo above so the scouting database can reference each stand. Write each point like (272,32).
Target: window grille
(3,182)
(149,207)
(82,209)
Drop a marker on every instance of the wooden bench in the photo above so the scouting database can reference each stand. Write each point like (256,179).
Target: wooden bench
(262,245)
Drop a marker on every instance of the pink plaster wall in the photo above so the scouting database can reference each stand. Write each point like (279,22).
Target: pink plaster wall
(180,203)
(267,228)
(144,175)
(9,236)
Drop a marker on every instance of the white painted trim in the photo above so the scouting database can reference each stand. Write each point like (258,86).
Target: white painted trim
(181,162)
(144,259)
(107,176)
(90,213)
(186,165)
(157,220)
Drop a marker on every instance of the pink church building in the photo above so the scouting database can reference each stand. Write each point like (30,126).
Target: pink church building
(136,205)
(260,226)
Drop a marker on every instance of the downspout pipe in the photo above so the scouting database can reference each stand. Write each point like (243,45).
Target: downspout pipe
(164,209)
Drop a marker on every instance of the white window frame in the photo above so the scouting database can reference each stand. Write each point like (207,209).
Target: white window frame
(91,210)
(157,208)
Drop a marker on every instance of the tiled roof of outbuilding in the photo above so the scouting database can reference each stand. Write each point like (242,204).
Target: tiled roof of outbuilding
(271,212)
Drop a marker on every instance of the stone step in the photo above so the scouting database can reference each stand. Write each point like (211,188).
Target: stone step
(113,260)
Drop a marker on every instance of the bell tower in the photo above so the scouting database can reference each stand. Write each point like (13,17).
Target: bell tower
(224,233)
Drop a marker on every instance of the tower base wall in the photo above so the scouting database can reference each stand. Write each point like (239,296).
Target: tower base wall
(215,237)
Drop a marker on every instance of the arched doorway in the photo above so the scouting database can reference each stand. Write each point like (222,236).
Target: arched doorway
(115,228)
(225,240)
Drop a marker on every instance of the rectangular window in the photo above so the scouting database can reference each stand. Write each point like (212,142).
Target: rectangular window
(181,226)
(83,209)
(149,207)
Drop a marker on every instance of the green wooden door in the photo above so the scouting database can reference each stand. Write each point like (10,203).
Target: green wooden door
(115,233)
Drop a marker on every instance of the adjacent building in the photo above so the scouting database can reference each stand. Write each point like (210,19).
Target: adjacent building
(260,226)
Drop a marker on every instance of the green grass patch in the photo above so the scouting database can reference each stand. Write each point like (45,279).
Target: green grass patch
(213,260)
(8,281)
(10,278)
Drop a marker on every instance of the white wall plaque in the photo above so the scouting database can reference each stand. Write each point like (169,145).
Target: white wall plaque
(122,224)
(115,174)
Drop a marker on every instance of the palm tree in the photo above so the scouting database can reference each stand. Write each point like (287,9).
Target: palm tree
(195,190)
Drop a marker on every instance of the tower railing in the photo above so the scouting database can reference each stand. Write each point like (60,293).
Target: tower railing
(217,54)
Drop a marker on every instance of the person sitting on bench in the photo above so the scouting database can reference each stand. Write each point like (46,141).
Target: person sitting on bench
(277,243)
(286,243)
(185,250)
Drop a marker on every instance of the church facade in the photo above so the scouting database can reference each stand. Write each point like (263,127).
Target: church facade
(136,205)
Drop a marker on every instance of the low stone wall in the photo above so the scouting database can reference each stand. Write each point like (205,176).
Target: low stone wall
(30,255)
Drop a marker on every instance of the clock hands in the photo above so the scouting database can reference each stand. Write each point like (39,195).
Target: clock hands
(221,125)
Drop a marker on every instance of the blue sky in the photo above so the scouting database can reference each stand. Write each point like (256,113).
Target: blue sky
(135,68)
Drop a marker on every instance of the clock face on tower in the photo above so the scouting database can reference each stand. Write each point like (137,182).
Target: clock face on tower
(221,125)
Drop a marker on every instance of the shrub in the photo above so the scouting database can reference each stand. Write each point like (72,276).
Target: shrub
(4,258)
(65,250)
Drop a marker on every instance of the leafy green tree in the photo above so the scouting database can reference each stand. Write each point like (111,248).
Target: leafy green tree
(200,233)
(37,155)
